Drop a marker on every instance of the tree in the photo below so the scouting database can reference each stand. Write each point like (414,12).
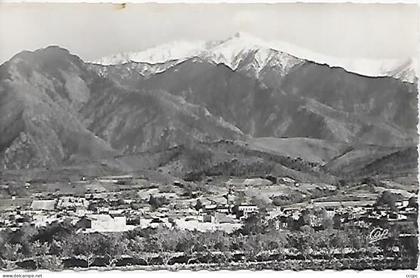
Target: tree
(165,242)
(341,183)
(412,202)
(326,241)
(197,159)
(387,198)
(137,249)
(260,203)
(134,206)
(340,240)
(153,202)
(303,241)
(336,221)
(279,201)
(120,202)
(11,252)
(39,251)
(24,236)
(371,181)
(113,247)
(326,221)
(50,262)
(304,219)
(357,239)
(85,246)
(274,240)
(238,213)
(56,230)
(253,225)
(217,240)
(252,247)
(198,205)
(239,198)
(157,202)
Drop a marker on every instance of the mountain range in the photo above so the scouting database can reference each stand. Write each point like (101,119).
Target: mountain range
(229,50)
(57,109)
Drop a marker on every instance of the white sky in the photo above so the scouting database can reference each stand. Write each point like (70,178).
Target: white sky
(95,30)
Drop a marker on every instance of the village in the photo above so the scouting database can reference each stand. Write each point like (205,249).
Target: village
(114,204)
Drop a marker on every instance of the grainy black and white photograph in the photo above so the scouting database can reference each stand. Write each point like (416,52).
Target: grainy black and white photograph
(208,136)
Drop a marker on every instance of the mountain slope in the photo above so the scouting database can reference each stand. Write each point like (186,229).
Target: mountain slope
(357,162)
(133,121)
(307,149)
(39,95)
(55,109)
(312,101)
(130,73)
(379,101)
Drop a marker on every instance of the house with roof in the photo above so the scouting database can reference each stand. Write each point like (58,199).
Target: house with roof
(122,179)
(71,202)
(286,181)
(223,218)
(104,223)
(401,203)
(42,220)
(248,182)
(246,210)
(43,205)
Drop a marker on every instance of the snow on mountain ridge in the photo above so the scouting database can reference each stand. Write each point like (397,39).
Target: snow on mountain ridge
(227,51)
(362,66)
(158,54)
(235,49)
(232,51)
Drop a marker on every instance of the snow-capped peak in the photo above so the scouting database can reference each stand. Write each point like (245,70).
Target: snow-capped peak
(222,51)
(233,50)
(229,52)
(159,54)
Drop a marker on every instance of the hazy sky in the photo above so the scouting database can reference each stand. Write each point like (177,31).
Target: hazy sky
(95,30)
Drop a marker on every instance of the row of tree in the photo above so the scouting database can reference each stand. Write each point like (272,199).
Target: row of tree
(48,247)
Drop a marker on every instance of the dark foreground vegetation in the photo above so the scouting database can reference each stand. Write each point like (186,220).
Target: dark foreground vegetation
(257,245)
